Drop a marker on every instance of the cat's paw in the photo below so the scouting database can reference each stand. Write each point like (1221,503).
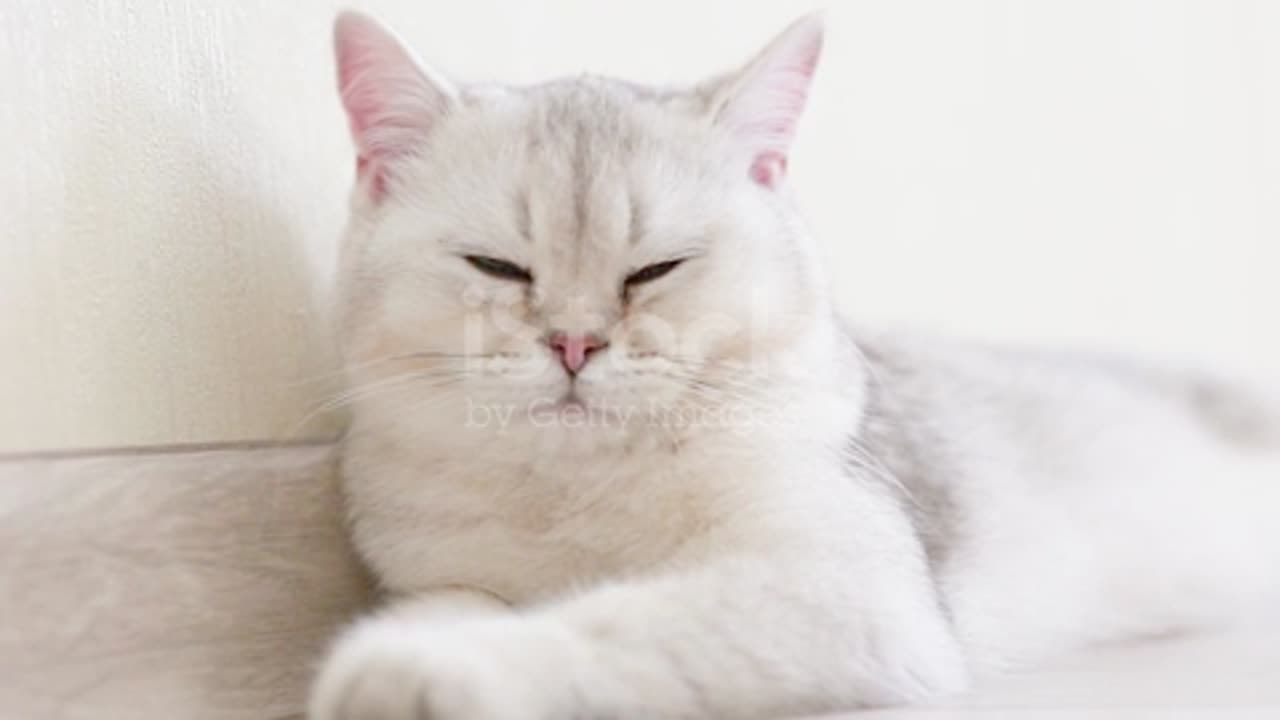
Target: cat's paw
(393,670)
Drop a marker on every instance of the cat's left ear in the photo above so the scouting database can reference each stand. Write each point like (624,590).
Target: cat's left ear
(762,103)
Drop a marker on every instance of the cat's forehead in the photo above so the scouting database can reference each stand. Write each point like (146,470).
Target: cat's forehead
(584,163)
(596,118)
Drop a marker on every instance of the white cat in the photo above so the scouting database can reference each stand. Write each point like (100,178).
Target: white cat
(614,454)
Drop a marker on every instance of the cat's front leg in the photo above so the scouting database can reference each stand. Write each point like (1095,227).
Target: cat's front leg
(372,671)
(759,636)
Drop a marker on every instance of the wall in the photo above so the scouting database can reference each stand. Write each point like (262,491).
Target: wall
(1099,171)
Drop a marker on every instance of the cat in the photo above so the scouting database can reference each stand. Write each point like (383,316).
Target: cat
(614,454)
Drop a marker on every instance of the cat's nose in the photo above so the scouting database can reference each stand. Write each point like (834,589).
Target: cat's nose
(574,349)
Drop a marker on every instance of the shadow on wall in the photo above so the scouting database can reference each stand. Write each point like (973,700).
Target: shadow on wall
(183,282)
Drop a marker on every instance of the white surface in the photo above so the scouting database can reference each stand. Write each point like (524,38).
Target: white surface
(175,174)
(170,586)
(1232,676)
(112,614)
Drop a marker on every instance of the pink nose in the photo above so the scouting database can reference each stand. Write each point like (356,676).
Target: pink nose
(574,349)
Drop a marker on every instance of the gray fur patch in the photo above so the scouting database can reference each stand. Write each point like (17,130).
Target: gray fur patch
(900,450)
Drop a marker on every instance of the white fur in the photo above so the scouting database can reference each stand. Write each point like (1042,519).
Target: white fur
(831,524)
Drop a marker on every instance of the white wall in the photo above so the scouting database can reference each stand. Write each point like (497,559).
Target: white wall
(174,176)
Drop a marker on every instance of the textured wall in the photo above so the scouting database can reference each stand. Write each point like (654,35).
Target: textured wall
(173,182)
(175,174)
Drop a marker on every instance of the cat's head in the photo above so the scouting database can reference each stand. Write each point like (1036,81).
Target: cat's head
(582,245)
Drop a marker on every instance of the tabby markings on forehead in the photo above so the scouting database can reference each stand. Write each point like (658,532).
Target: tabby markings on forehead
(524,219)
(635,219)
(582,181)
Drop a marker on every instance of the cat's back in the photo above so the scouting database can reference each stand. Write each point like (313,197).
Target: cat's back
(967,425)
(1052,486)
(1036,395)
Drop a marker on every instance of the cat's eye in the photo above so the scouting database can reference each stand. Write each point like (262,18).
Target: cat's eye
(501,269)
(649,273)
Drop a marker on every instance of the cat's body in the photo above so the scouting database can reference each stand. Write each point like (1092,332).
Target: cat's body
(740,509)
(1067,499)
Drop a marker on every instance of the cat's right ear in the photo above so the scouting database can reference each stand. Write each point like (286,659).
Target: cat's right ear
(392,100)
(761,104)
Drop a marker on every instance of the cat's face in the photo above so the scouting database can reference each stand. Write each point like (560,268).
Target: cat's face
(582,252)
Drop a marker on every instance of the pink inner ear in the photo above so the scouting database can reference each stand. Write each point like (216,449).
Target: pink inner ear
(362,82)
(769,168)
(364,74)
(391,102)
(362,71)
(370,171)
(791,82)
(766,107)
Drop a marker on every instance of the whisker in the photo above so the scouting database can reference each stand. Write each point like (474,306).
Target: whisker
(413,355)
(372,389)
